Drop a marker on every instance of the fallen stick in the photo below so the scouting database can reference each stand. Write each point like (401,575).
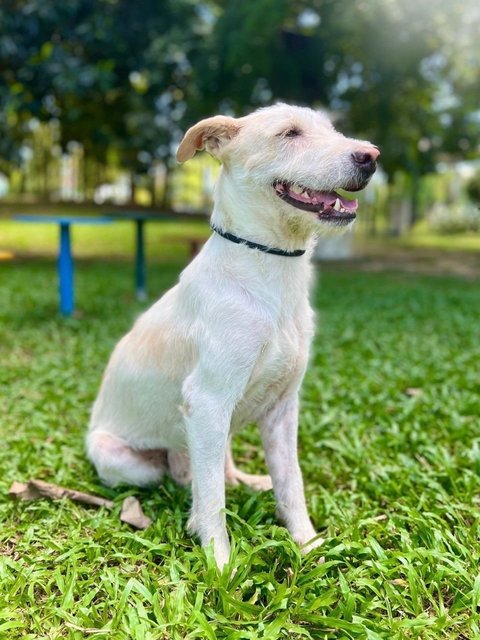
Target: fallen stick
(34,489)
(132,512)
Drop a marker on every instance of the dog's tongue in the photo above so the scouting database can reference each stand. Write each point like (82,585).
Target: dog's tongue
(321,199)
(329,198)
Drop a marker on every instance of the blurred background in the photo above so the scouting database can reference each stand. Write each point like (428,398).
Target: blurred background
(95,95)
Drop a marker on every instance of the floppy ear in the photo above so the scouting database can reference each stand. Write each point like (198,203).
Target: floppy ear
(211,133)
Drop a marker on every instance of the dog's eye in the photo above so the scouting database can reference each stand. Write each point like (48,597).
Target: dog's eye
(292,133)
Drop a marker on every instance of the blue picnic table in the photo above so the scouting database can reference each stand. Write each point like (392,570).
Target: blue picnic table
(65,262)
(140,218)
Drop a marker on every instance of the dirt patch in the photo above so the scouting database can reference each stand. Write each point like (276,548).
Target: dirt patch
(462,264)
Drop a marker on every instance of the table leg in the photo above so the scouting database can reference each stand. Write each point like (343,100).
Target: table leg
(140,267)
(65,271)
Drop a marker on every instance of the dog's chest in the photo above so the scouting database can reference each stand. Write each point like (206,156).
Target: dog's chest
(280,364)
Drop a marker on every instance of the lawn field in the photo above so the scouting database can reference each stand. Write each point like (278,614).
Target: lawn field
(389,446)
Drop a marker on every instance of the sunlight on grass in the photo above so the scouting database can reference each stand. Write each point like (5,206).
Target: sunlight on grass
(460,242)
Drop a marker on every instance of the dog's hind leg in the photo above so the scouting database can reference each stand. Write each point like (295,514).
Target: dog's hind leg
(179,467)
(234,476)
(117,462)
(279,435)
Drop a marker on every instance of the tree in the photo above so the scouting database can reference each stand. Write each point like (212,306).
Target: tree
(393,72)
(112,72)
(125,78)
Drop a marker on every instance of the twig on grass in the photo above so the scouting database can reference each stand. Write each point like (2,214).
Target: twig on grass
(131,513)
(34,489)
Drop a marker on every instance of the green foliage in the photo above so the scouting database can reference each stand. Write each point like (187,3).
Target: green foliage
(392,479)
(392,71)
(114,73)
(131,75)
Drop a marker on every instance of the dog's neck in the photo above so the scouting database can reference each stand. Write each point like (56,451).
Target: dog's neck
(281,284)
(252,215)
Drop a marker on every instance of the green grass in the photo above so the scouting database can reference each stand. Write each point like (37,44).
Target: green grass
(392,481)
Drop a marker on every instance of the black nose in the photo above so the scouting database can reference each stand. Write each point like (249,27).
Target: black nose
(364,161)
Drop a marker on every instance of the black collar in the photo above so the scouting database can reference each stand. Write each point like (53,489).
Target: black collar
(255,245)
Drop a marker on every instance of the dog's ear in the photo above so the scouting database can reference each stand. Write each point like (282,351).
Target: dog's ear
(211,134)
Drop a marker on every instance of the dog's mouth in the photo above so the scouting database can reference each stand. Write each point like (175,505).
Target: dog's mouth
(328,205)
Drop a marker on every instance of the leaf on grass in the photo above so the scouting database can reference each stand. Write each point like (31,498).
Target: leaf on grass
(35,489)
(132,513)
(92,630)
(380,518)
(413,392)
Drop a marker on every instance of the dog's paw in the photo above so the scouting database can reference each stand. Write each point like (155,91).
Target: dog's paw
(307,542)
(317,542)
(221,553)
(257,482)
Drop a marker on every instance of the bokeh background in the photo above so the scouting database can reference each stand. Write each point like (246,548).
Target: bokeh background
(95,95)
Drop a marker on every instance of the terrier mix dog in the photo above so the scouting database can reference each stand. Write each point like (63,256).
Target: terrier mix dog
(229,344)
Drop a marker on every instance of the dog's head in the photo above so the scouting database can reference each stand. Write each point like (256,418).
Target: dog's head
(291,157)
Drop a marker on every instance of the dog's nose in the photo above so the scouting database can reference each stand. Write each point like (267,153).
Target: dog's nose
(366,158)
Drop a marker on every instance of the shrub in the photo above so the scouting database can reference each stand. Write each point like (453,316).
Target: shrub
(454,218)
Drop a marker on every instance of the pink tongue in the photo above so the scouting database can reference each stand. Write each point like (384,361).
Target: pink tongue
(329,198)
(349,205)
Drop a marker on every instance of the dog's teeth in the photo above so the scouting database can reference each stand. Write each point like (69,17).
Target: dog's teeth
(297,189)
(338,205)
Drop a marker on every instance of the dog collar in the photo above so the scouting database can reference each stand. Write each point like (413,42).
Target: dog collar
(255,245)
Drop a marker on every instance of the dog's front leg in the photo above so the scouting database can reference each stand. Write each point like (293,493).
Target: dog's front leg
(210,396)
(279,434)
(207,435)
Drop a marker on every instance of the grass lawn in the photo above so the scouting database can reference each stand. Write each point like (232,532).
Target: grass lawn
(392,480)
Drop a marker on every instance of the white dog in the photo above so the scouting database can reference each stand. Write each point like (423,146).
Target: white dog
(229,344)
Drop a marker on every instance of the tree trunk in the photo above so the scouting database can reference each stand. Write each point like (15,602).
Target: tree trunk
(45,172)
(415,188)
(152,183)
(334,248)
(84,174)
(133,187)
(166,199)
(22,188)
